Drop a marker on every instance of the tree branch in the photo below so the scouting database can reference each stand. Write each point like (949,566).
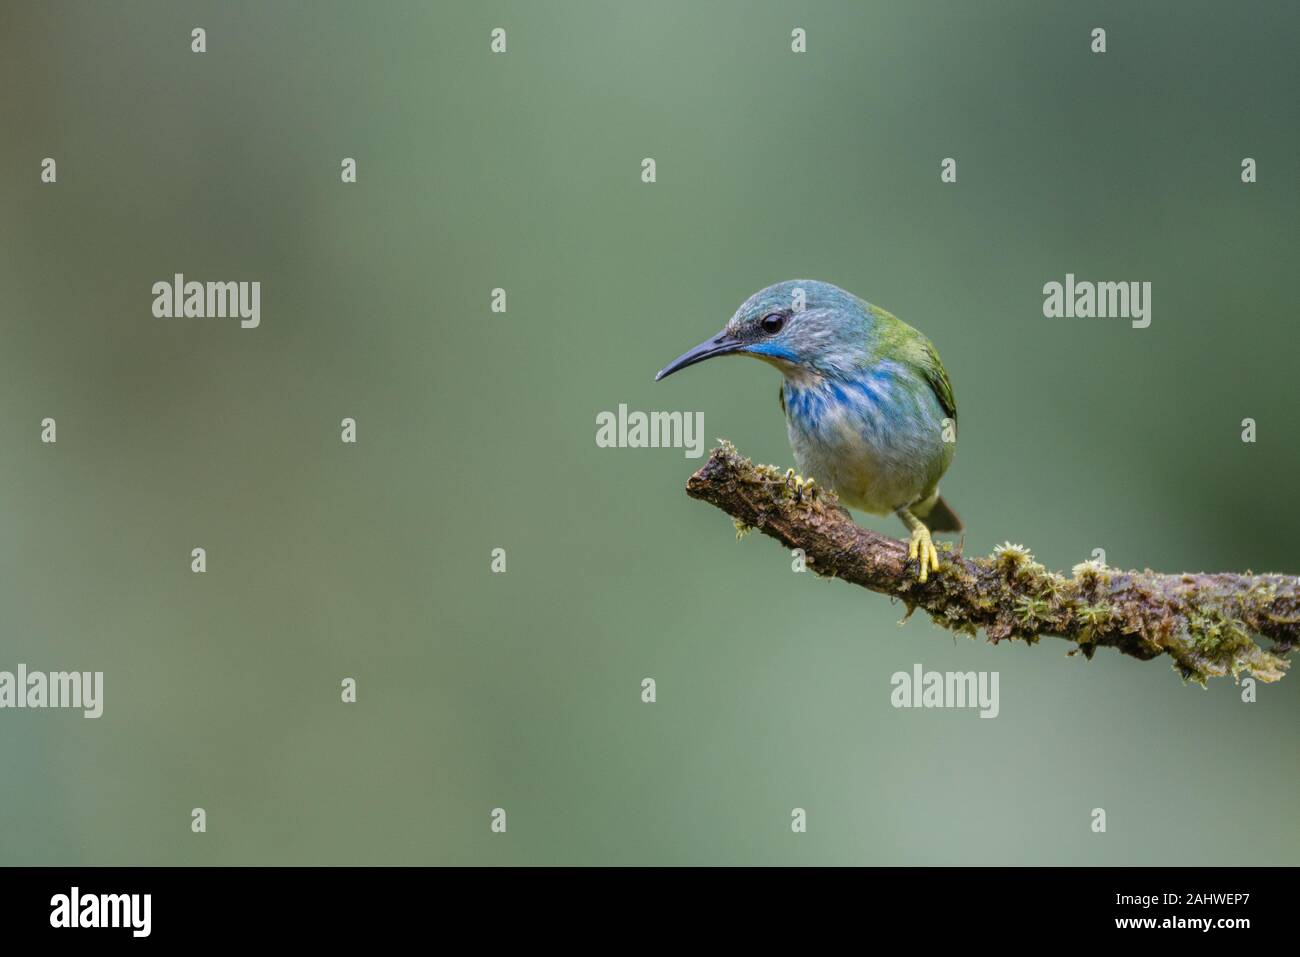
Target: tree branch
(1203,622)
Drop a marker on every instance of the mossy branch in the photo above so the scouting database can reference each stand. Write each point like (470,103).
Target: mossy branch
(1203,622)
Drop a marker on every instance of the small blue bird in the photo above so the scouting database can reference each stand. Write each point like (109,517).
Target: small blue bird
(868,405)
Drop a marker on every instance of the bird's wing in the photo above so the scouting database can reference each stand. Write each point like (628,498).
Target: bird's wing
(937,376)
(919,352)
(780,394)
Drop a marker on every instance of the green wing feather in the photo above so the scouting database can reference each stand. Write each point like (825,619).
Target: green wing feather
(909,344)
(937,376)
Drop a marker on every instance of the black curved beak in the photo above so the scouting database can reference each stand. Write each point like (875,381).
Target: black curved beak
(720,345)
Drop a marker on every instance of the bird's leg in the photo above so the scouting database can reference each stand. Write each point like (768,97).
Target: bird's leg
(920,546)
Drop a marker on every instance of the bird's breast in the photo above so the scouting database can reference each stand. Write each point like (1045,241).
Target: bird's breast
(876,439)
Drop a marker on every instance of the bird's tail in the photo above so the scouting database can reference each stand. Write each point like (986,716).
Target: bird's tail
(941,518)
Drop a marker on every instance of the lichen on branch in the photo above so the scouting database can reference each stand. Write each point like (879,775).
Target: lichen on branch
(1206,623)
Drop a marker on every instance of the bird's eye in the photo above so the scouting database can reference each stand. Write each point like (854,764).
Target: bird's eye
(772,323)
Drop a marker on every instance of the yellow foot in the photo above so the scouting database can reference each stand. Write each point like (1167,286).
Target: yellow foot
(923,548)
(799,485)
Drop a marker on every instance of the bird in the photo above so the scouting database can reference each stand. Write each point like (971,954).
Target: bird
(868,405)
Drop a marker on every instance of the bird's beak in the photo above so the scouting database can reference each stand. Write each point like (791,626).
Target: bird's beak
(720,345)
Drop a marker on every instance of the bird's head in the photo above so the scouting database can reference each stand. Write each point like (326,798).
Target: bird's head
(801,326)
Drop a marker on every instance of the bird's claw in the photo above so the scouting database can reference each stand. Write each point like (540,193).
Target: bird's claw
(799,485)
(922,547)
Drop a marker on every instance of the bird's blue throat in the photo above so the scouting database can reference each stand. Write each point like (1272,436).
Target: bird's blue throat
(865,396)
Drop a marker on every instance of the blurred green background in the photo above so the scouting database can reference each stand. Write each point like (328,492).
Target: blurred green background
(477,430)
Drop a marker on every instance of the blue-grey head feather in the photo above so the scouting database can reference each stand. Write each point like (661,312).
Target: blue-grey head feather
(824,330)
